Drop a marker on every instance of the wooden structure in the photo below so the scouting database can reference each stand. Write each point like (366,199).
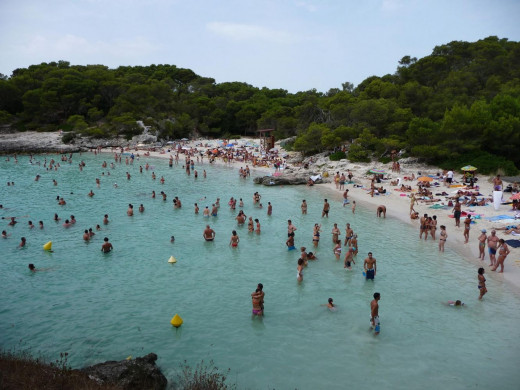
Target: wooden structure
(267,138)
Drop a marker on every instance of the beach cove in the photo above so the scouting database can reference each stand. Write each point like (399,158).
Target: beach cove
(111,306)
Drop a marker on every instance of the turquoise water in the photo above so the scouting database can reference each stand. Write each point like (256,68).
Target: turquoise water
(106,307)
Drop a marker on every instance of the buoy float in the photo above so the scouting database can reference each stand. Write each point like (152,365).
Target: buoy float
(172,259)
(176,320)
(129,357)
(48,246)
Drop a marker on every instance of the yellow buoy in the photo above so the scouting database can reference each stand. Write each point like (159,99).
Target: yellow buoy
(129,357)
(48,246)
(172,259)
(176,320)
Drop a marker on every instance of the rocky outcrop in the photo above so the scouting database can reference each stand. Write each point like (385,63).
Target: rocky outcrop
(34,142)
(134,374)
(289,177)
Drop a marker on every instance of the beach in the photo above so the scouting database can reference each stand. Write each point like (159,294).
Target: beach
(398,206)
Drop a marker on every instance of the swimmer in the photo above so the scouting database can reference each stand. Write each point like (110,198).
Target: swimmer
(335,233)
(250,225)
(66,224)
(105,220)
(163,195)
(353,207)
(208,234)
(455,303)
(91,193)
(257,231)
(4,234)
(299,270)
(205,213)
(107,246)
(40,224)
(337,249)
(214,210)
(257,298)
(233,242)
(311,256)
(98,227)
(330,304)
(62,202)
(56,218)
(290,242)
(13,221)
(172,239)
(374,313)
(290,228)
(326,209)
(72,219)
(153,194)
(269,208)
(22,242)
(141,208)
(130,211)
(241,203)
(304,207)
(91,233)
(349,258)
(381,210)
(86,236)
(31,226)
(196,208)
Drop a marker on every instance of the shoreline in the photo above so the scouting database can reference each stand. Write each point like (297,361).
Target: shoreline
(398,208)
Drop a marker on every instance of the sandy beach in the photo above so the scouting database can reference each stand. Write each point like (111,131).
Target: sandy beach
(398,203)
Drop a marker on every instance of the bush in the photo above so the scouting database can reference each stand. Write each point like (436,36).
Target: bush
(336,156)
(487,163)
(358,154)
(385,159)
(203,377)
(68,137)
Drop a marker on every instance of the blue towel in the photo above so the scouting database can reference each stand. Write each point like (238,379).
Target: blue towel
(513,243)
(499,217)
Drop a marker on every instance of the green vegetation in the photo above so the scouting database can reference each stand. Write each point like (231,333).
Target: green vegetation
(460,101)
(336,156)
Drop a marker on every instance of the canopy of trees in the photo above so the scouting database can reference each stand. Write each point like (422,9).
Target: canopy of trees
(462,100)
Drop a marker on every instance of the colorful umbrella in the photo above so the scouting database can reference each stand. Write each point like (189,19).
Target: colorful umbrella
(378,171)
(424,178)
(468,168)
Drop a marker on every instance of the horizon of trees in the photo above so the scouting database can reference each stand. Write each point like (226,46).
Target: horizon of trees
(460,103)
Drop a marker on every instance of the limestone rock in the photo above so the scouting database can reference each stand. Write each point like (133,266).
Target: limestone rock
(135,374)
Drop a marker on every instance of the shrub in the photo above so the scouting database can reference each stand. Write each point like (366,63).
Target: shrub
(203,377)
(385,159)
(336,156)
(486,163)
(68,137)
(358,154)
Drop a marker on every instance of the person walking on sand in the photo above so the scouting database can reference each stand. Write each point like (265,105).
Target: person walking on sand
(503,251)
(374,314)
(457,212)
(492,247)
(442,239)
(467,223)
(481,283)
(482,244)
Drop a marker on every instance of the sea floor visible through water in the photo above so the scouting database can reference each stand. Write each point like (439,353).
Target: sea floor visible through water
(101,307)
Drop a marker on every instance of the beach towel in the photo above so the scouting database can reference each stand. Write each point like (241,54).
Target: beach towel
(515,234)
(498,217)
(513,243)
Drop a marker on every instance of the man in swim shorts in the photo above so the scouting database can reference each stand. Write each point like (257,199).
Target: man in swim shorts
(326,209)
(492,247)
(107,246)
(370,267)
(381,210)
(209,234)
(374,313)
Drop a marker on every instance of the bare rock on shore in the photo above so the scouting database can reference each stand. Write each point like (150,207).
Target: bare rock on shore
(289,177)
(34,142)
(136,374)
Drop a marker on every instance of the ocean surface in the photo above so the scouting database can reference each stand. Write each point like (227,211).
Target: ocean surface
(101,307)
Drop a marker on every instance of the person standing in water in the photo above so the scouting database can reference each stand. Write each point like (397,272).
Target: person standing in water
(481,283)
(370,267)
(443,238)
(374,313)
(233,242)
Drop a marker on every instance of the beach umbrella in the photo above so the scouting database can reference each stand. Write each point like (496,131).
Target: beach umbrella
(229,145)
(424,178)
(516,196)
(378,171)
(468,168)
(184,139)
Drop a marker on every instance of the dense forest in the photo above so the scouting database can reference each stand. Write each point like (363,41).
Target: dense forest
(461,104)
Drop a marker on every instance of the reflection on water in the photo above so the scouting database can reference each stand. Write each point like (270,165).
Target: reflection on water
(102,307)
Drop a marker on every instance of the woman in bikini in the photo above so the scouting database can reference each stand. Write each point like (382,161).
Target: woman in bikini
(443,238)
(316,235)
(299,271)
(481,283)
(337,249)
(502,254)
(250,225)
(433,226)
(234,239)
(482,244)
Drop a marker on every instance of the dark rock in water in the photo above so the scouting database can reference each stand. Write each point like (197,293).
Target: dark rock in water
(285,179)
(136,374)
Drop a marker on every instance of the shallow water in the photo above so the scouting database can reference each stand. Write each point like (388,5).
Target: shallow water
(106,307)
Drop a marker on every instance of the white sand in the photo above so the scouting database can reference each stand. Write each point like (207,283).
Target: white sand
(398,206)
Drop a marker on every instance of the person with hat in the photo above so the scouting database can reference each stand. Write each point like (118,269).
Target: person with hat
(482,244)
